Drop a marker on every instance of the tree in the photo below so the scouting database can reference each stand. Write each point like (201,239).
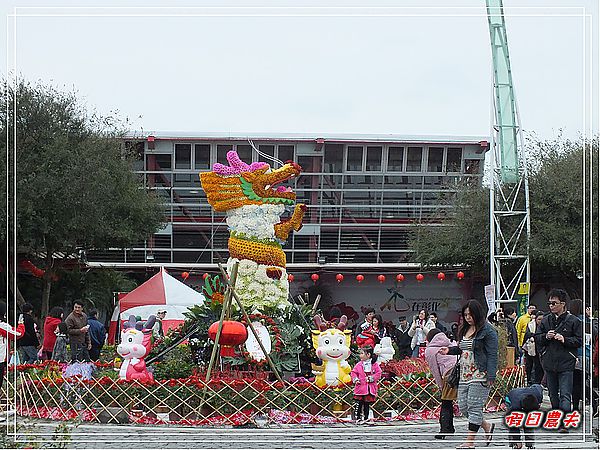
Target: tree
(75,188)
(459,234)
(556,213)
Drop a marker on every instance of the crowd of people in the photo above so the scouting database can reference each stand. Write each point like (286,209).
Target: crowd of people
(82,333)
(559,349)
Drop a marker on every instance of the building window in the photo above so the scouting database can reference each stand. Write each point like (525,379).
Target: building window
(268,150)
(183,156)
(334,158)
(374,158)
(244,151)
(454,159)
(414,159)
(286,153)
(160,161)
(202,156)
(435,160)
(395,159)
(222,150)
(354,159)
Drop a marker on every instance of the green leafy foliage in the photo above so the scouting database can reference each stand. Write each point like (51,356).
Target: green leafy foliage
(176,364)
(74,183)
(557,210)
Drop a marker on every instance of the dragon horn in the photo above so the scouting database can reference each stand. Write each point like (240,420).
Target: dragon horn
(319,323)
(342,323)
(234,161)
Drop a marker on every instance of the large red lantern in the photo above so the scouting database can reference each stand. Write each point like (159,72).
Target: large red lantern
(399,277)
(420,277)
(314,277)
(360,278)
(381,278)
(290,277)
(441,276)
(460,275)
(233,333)
(339,277)
(185,275)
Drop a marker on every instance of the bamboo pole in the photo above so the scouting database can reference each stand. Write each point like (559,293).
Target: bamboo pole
(224,313)
(245,314)
(316,305)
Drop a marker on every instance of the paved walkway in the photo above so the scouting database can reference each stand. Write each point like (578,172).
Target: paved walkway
(394,435)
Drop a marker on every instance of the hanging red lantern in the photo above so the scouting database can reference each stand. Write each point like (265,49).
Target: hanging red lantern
(460,275)
(233,333)
(420,277)
(441,276)
(205,276)
(399,277)
(290,277)
(185,275)
(360,278)
(314,277)
(381,278)
(339,277)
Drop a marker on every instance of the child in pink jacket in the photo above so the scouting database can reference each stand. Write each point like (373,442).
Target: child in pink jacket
(365,375)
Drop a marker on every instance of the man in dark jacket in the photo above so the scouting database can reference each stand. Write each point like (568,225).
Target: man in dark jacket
(559,337)
(511,329)
(97,334)
(525,399)
(29,343)
(79,338)
(402,339)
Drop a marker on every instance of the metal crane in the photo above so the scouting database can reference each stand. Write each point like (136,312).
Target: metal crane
(509,190)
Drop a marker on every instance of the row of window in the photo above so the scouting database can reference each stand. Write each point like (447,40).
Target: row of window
(338,158)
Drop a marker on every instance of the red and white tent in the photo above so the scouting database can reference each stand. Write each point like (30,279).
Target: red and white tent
(162,291)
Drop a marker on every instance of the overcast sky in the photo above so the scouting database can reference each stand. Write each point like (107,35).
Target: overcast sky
(410,70)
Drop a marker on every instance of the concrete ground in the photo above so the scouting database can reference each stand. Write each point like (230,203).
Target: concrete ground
(392,435)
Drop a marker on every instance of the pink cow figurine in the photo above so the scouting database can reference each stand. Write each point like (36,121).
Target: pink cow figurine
(136,343)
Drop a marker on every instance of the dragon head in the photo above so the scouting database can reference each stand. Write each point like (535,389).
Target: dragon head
(239,184)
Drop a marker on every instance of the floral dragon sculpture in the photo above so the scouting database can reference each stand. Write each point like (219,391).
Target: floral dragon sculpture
(251,196)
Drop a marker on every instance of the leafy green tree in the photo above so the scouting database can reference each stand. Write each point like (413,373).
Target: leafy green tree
(556,213)
(460,234)
(75,189)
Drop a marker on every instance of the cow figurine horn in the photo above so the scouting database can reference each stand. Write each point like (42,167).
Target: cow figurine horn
(319,323)
(342,323)
(130,322)
(150,322)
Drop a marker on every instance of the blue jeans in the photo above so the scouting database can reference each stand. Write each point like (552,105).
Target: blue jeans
(28,354)
(560,387)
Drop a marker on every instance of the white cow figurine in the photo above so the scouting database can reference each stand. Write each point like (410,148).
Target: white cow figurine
(384,350)
(332,346)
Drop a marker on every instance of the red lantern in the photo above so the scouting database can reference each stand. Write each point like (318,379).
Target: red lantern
(381,278)
(420,277)
(460,275)
(314,277)
(441,276)
(205,276)
(290,277)
(339,277)
(233,333)
(185,275)
(399,277)
(360,278)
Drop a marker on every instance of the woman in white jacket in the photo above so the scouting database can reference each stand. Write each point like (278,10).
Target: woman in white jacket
(421,325)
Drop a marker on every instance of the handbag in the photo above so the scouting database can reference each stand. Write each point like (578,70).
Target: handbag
(453,376)
(448,392)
